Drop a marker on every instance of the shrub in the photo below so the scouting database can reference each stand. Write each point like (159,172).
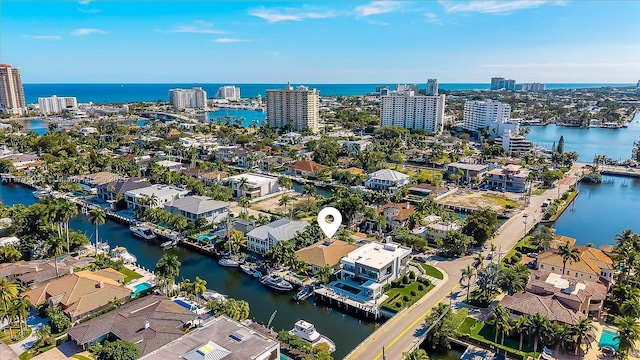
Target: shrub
(420,287)
(398,304)
(405,279)
(412,275)
(405,298)
(386,287)
(413,293)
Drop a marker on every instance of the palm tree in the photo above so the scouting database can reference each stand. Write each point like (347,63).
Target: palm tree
(631,308)
(168,267)
(9,290)
(309,191)
(628,334)
(417,354)
(285,182)
(467,274)
(521,327)
(478,262)
(562,336)
(243,185)
(568,254)
(542,237)
(584,333)
(501,321)
(286,200)
(44,332)
(536,327)
(97,218)
(55,248)
(21,306)
(244,203)
(67,211)
(199,287)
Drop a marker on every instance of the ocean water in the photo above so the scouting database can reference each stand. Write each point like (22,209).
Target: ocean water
(117,93)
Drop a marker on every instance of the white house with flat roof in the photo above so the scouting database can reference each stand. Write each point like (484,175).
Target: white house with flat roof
(171,165)
(262,238)
(257,185)
(374,265)
(386,179)
(196,207)
(154,196)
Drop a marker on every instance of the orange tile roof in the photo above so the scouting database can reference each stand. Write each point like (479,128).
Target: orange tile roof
(561,240)
(404,211)
(585,265)
(325,253)
(354,171)
(596,256)
(307,165)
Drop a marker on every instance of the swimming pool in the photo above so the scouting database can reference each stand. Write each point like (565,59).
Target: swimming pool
(205,237)
(185,305)
(608,338)
(140,288)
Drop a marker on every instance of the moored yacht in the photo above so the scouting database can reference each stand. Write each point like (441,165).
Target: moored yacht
(121,252)
(276,282)
(307,331)
(142,231)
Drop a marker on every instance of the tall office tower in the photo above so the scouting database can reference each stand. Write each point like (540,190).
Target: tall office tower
(230,93)
(195,98)
(485,114)
(432,87)
(11,91)
(56,105)
(299,108)
(638,88)
(409,111)
(498,83)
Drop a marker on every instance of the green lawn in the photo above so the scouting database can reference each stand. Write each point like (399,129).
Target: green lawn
(431,271)
(396,301)
(129,275)
(6,336)
(80,357)
(484,333)
(460,316)
(538,191)
(506,203)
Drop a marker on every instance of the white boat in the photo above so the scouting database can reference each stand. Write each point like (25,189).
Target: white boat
(228,262)
(169,244)
(122,253)
(276,282)
(250,270)
(142,232)
(40,194)
(307,331)
(303,294)
(214,295)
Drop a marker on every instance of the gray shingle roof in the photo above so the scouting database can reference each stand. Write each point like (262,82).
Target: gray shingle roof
(283,229)
(386,174)
(198,204)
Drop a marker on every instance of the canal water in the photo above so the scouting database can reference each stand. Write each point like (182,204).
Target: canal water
(345,330)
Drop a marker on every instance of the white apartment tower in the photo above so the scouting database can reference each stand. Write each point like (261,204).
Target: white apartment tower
(195,98)
(299,108)
(11,91)
(56,105)
(432,87)
(230,93)
(409,111)
(483,114)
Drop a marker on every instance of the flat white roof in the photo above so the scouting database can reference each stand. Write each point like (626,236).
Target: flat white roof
(253,178)
(377,255)
(157,190)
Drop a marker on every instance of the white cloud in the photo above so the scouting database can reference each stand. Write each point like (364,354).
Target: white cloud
(87,31)
(493,7)
(378,7)
(197,27)
(84,2)
(289,14)
(432,18)
(230,40)
(42,37)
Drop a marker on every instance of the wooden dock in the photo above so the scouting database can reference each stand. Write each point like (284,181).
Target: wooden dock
(338,301)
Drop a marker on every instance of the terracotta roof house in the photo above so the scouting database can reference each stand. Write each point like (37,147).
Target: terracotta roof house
(100,178)
(37,272)
(325,252)
(207,176)
(547,306)
(594,265)
(79,294)
(304,168)
(150,322)
(396,214)
(561,240)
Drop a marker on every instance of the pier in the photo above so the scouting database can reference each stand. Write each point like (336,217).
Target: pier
(619,171)
(339,301)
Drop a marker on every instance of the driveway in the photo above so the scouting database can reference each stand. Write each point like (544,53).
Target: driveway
(35,322)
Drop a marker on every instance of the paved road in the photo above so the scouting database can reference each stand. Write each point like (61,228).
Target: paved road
(403,331)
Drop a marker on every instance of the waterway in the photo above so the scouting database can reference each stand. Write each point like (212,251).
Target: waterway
(247,116)
(345,330)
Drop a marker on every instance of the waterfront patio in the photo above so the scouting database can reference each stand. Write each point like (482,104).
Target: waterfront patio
(348,289)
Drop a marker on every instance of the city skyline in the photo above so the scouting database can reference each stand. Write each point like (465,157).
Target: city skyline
(321,42)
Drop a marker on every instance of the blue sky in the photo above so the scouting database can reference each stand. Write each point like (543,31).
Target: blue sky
(321,42)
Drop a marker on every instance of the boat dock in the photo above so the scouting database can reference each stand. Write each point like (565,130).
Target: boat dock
(619,171)
(339,301)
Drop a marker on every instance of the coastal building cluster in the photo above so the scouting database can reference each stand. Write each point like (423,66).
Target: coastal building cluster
(500,83)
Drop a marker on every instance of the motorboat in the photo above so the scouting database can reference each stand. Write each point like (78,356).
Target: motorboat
(276,282)
(307,331)
(214,295)
(169,244)
(228,262)
(141,231)
(40,194)
(121,252)
(250,270)
(303,294)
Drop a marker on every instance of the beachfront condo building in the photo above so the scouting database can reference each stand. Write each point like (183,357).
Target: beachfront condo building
(499,83)
(195,98)
(56,105)
(432,87)
(411,111)
(297,108)
(11,91)
(230,93)
(486,115)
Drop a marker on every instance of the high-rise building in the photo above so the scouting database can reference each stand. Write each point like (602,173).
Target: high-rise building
(485,114)
(531,87)
(299,108)
(432,87)
(230,93)
(56,105)
(638,88)
(409,111)
(498,83)
(195,98)
(11,91)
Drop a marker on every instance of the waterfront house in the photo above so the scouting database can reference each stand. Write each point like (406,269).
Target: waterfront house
(273,162)
(594,265)
(96,179)
(207,177)
(154,196)
(440,229)
(79,294)
(111,190)
(325,253)
(386,179)
(257,185)
(171,165)
(471,173)
(561,298)
(86,131)
(396,215)
(304,168)
(512,178)
(373,265)
(24,161)
(35,273)
(227,154)
(423,190)
(149,323)
(262,238)
(219,338)
(353,147)
(197,207)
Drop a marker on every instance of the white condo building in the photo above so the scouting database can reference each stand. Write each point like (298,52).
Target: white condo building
(485,114)
(409,111)
(195,98)
(56,105)
(11,91)
(299,108)
(432,87)
(230,93)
